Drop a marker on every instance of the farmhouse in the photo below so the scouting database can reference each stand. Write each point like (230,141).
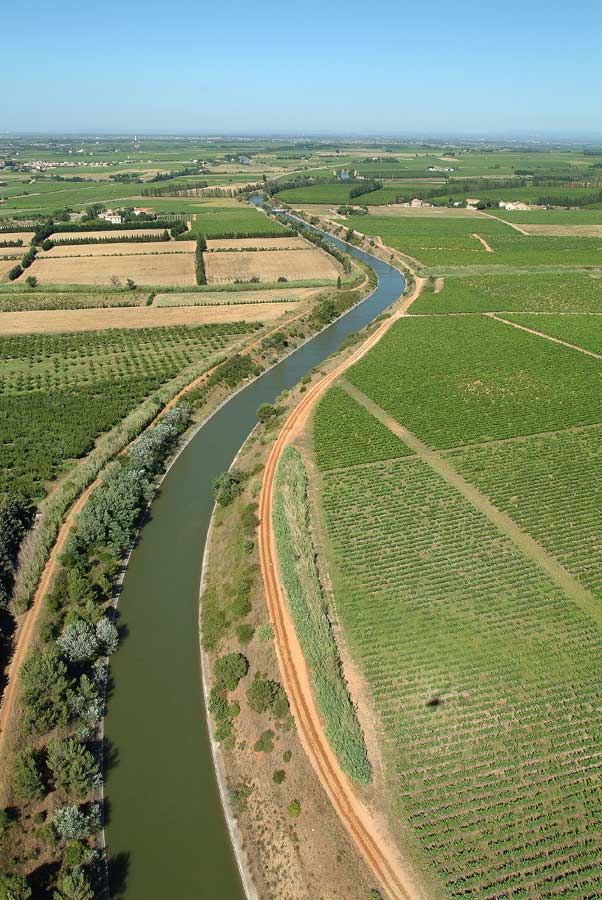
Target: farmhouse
(513,205)
(114,218)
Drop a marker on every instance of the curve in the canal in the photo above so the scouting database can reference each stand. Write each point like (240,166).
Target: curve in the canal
(166,833)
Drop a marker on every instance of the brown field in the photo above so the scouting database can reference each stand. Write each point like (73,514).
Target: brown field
(165,269)
(17,252)
(284,243)
(330,211)
(62,320)
(127,232)
(133,249)
(296,265)
(24,236)
(5,266)
(563,230)
(234,298)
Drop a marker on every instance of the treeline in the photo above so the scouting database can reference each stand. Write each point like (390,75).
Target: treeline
(25,263)
(18,243)
(239,235)
(46,228)
(48,244)
(201,246)
(179,173)
(365,187)
(16,516)
(63,680)
(188,190)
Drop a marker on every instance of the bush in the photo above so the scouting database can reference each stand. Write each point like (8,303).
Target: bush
(74,822)
(14,273)
(28,783)
(107,636)
(74,886)
(294,809)
(31,281)
(78,642)
(279,776)
(74,769)
(266,411)
(244,633)
(45,691)
(227,486)
(130,284)
(240,796)
(5,822)
(265,744)
(265,633)
(14,887)
(287,756)
(263,694)
(228,671)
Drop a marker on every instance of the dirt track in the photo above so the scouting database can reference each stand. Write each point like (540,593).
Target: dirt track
(27,629)
(369,835)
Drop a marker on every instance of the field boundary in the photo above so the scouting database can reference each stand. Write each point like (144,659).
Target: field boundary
(520,538)
(542,334)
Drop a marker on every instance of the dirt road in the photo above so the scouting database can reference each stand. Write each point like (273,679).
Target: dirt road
(369,834)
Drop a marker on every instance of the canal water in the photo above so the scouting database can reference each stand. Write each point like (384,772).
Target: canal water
(166,834)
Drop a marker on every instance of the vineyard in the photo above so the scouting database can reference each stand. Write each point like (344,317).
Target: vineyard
(485,679)
(21,301)
(577,292)
(59,392)
(551,486)
(583,331)
(346,434)
(465,379)
(240,221)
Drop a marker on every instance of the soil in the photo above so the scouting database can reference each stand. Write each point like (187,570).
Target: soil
(295,265)
(487,247)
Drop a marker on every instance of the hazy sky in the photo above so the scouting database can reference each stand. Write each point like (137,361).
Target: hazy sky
(435,67)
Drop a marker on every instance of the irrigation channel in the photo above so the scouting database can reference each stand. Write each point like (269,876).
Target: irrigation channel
(166,832)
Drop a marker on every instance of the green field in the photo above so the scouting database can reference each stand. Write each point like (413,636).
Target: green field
(215,221)
(461,380)
(576,292)
(478,652)
(583,331)
(59,392)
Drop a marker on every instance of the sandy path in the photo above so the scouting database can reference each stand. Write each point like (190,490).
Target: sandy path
(439,282)
(505,222)
(369,835)
(27,629)
(487,246)
(534,551)
(542,334)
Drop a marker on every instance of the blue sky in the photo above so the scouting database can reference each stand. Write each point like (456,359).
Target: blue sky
(437,67)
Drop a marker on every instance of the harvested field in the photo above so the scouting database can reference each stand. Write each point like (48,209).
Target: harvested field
(24,236)
(133,249)
(229,298)
(92,235)
(5,267)
(224,268)
(435,212)
(58,321)
(161,269)
(284,243)
(12,252)
(589,230)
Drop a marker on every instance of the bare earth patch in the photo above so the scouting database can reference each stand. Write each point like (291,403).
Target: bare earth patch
(564,230)
(63,320)
(295,265)
(439,282)
(487,246)
(12,252)
(5,266)
(127,232)
(161,269)
(134,249)
(276,243)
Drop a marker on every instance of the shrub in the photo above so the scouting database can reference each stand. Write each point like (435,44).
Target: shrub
(266,412)
(78,641)
(78,854)
(265,633)
(107,636)
(279,776)
(74,822)
(240,796)
(45,690)
(265,744)
(14,887)
(294,809)
(263,694)
(130,284)
(228,671)
(28,783)
(227,486)
(287,756)
(31,281)
(244,633)
(14,273)
(5,822)
(73,767)
(74,886)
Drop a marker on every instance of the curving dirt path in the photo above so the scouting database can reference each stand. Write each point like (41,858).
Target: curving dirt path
(27,630)
(487,246)
(369,835)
